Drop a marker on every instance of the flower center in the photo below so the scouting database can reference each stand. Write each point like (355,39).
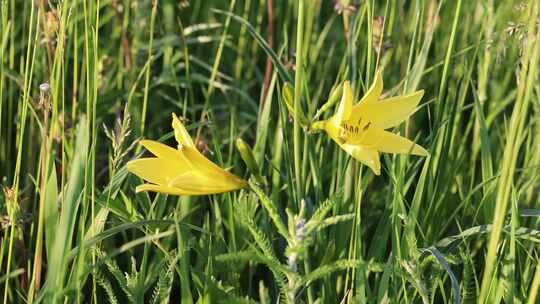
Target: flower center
(354,130)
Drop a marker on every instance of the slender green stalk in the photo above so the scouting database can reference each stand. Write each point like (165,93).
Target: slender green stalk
(150,59)
(28,73)
(44,168)
(527,76)
(533,293)
(3,43)
(298,81)
(297,148)
(94,141)
(215,67)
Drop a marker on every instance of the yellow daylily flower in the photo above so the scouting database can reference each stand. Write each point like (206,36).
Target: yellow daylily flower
(360,129)
(182,171)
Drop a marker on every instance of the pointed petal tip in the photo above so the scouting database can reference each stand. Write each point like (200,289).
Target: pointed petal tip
(345,105)
(419,93)
(422,152)
(180,132)
(148,144)
(132,165)
(242,184)
(379,78)
(373,93)
(378,75)
(376,167)
(419,150)
(237,182)
(175,119)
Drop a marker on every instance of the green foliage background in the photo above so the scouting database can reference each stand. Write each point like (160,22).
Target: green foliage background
(82,80)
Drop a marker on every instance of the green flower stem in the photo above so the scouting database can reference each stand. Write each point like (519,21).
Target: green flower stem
(298,79)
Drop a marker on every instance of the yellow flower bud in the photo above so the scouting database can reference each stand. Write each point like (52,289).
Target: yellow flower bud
(249,159)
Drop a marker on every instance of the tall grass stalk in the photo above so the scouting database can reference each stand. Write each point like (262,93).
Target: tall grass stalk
(527,75)
(28,73)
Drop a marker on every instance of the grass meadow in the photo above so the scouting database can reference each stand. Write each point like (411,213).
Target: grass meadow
(82,81)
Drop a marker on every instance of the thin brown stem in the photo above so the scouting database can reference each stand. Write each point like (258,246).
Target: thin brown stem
(270,39)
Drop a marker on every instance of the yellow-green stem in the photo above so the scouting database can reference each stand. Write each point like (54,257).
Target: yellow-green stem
(517,121)
(147,76)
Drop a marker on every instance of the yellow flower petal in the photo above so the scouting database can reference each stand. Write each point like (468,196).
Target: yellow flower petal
(163,151)
(163,189)
(393,143)
(369,157)
(156,170)
(358,112)
(389,112)
(333,125)
(345,105)
(201,162)
(373,93)
(180,133)
(193,182)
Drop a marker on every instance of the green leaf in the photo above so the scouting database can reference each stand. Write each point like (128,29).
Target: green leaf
(70,205)
(13,274)
(50,212)
(271,209)
(328,269)
(455,283)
